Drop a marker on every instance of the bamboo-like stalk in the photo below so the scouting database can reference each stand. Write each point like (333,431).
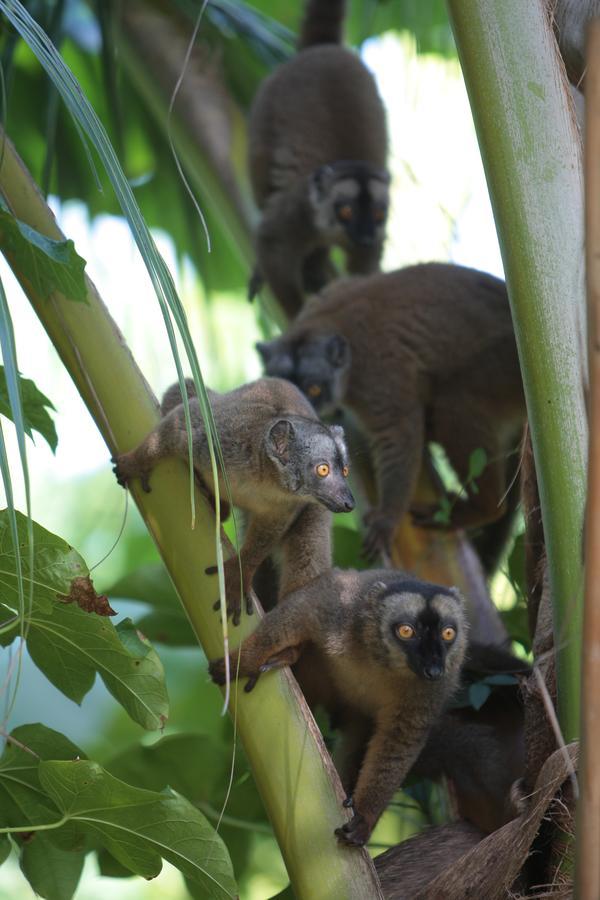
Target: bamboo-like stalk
(531,154)
(291,766)
(588,818)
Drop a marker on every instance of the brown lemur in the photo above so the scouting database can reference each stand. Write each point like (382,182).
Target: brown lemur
(286,470)
(317,156)
(426,353)
(382,653)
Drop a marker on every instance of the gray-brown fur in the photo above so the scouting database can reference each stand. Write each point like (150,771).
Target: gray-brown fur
(423,353)
(570,18)
(481,751)
(272,441)
(405,870)
(317,136)
(342,628)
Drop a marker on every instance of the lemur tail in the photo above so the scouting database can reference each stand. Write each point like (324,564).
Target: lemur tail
(322,23)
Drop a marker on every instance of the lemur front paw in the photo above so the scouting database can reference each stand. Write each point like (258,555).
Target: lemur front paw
(356,832)
(216,670)
(126,468)
(378,539)
(236,588)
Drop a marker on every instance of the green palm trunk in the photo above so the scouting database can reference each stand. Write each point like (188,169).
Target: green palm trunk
(532,158)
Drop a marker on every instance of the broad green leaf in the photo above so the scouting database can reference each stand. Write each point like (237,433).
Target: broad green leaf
(195,765)
(138,827)
(170,628)
(22,799)
(35,414)
(5,848)
(53,873)
(56,564)
(70,645)
(149,583)
(50,265)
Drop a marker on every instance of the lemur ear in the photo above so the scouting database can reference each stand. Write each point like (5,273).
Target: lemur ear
(376,590)
(457,595)
(337,350)
(279,439)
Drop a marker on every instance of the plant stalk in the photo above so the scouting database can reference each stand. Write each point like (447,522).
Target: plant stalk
(532,158)
(292,768)
(588,811)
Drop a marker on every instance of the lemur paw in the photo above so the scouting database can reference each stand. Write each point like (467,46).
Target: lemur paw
(125,470)
(355,833)
(235,589)
(348,803)
(216,670)
(378,539)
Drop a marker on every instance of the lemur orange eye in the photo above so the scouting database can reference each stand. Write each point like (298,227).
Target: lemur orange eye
(314,390)
(405,632)
(323,470)
(345,212)
(448,634)
(345,471)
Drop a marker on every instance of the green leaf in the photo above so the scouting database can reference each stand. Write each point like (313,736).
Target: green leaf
(138,827)
(477,463)
(443,514)
(22,800)
(53,873)
(35,414)
(150,584)
(478,694)
(50,265)
(56,564)
(170,628)
(195,765)
(5,848)
(68,644)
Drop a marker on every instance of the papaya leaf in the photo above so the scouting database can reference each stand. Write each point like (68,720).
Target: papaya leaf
(35,413)
(170,628)
(5,848)
(22,799)
(150,584)
(53,873)
(50,265)
(70,645)
(138,827)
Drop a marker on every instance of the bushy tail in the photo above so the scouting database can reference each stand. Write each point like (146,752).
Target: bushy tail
(322,23)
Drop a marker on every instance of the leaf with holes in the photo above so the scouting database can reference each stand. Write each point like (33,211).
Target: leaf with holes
(50,265)
(71,645)
(35,408)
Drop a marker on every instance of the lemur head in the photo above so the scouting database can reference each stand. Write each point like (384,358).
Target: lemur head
(311,460)
(318,364)
(421,626)
(349,200)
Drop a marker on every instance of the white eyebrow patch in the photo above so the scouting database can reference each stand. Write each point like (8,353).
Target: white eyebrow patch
(345,189)
(378,190)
